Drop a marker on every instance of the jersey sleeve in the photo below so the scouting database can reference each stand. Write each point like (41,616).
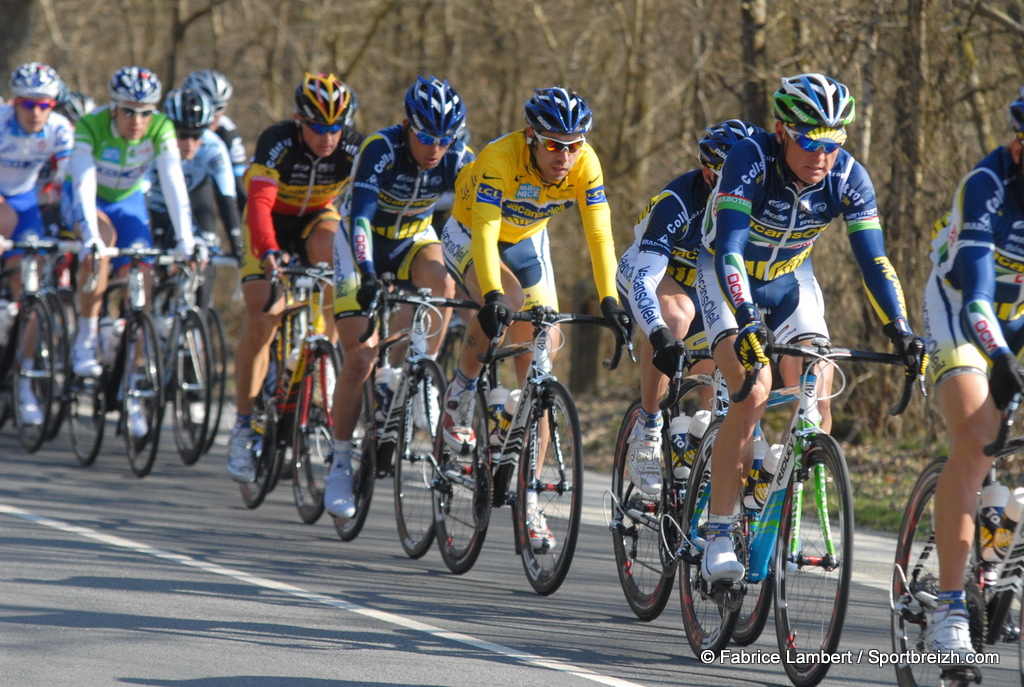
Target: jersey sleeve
(597,225)
(374,158)
(729,221)
(492,177)
(262,181)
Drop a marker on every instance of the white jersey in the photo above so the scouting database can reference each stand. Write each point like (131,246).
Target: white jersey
(210,160)
(23,155)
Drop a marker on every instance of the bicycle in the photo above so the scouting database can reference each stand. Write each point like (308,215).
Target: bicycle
(395,436)
(805,569)
(635,518)
(543,441)
(993,587)
(131,377)
(298,347)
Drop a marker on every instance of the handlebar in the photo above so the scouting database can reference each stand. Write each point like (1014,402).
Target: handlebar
(687,358)
(385,297)
(293,268)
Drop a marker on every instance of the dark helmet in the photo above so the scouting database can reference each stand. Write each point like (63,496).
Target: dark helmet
(1017,114)
(559,111)
(433,107)
(188,108)
(720,138)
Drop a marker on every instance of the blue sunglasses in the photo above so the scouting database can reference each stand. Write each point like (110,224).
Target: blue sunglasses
(318,128)
(30,104)
(812,145)
(428,140)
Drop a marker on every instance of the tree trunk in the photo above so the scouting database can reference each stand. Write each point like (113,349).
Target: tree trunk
(15,34)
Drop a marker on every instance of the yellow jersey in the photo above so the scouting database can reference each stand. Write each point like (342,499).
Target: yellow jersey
(502,197)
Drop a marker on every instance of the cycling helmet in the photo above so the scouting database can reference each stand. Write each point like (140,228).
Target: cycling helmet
(211,83)
(74,104)
(559,111)
(134,85)
(323,98)
(1017,114)
(433,107)
(35,79)
(720,138)
(188,108)
(813,99)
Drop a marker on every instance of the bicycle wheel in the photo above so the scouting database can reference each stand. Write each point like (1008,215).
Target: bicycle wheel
(191,384)
(268,452)
(415,470)
(814,559)
(34,356)
(757,598)
(141,392)
(87,421)
(364,468)
(219,373)
(551,465)
(462,496)
(636,535)
(313,435)
(708,625)
(62,330)
(451,349)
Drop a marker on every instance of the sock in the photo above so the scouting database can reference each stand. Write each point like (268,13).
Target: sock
(462,382)
(243,421)
(719,525)
(651,421)
(951,601)
(342,455)
(88,331)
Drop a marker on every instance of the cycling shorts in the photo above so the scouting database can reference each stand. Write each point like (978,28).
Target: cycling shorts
(529,260)
(791,305)
(389,255)
(950,350)
(30,218)
(292,233)
(694,338)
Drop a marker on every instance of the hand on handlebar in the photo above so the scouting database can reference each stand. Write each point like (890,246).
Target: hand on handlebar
(617,316)
(494,315)
(1007,379)
(667,354)
(369,291)
(751,339)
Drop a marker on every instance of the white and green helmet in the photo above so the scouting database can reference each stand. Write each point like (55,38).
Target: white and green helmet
(813,99)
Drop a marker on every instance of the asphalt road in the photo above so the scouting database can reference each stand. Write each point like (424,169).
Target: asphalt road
(170,581)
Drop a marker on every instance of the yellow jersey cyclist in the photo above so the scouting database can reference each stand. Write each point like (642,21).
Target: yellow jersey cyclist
(777,193)
(399,175)
(656,278)
(115,147)
(496,241)
(300,169)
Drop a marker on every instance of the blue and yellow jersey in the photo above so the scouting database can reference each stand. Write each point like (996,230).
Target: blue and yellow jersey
(502,197)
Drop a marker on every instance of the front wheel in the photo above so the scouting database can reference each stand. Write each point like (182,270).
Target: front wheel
(141,393)
(191,384)
(814,560)
(550,494)
(415,469)
(314,428)
(219,373)
(364,468)
(35,355)
(268,453)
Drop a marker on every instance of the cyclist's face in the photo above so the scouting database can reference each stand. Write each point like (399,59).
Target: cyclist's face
(322,145)
(426,156)
(810,167)
(32,113)
(132,119)
(553,165)
(188,147)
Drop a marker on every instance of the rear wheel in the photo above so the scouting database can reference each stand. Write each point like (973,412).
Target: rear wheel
(313,430)
(268,454)
(550,489)
(414,457)
(86,417)
(219,373)
(63,331)
(814,559)
(36,350)
(141,394)
(193,365)
(364,468)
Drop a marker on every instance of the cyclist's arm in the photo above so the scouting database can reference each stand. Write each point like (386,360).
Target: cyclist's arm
(486,227)
(82,169)
(597,225)
(728,217)
(172,181)
(374,159)
(262,196)
(225,194)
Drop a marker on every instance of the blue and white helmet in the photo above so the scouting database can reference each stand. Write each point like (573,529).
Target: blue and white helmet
(188,108)
(35,79)
(211,83)
(559,111)
(433,107)
(813,100)
(717,140)
(134,85)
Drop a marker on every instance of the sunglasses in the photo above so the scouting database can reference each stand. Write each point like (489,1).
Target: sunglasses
(318,128)
(557,146)
(192,134)
(132,113)
(812,145)
(428,140)
(28,104)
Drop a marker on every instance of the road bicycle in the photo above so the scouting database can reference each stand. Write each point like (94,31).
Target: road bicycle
(798,548)
(132,372)
(993,586)
(398,421)
(541,452)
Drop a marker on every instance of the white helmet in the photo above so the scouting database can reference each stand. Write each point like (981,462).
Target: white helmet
(211,83)
(134,85)
(35,79)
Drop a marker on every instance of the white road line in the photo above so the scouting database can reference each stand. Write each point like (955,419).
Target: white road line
(390,618)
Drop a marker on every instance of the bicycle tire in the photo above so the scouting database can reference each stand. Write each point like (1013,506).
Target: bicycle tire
(415,470)
(757,598)
(556,474)
(812,585)
(218,344)
(462,496)
(637,542)
(61,363)
(191,389)
(41,376)
(364,468)
(708,626)
(141,381)
(267,452)
(313,436)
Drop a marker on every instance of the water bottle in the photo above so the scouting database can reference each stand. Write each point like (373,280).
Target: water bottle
(8,313)
(685,446)
(507,413)
(109,338)
(763,483)
(677,432)
(496,398)
(760,451)
(994,498)
(1008,524)
(382,382)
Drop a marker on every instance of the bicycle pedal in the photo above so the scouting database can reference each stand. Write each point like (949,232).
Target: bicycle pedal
(728,594)
(960,674)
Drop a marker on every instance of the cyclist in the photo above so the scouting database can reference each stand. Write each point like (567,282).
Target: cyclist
(496,242)
(217,88)
(656,279)
(300,169)
(206,166)
(398,177)
(74,104)
(115,146)
(31,135)
(975,335)
(777,193)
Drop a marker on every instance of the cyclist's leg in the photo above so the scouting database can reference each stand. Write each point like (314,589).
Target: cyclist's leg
(318,247)
(83,353)
(428,270)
